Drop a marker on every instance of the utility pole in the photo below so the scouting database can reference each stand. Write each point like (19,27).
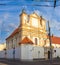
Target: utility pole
(50,41)
(54,3)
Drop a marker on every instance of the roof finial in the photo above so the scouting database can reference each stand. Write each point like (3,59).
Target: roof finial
(23,10)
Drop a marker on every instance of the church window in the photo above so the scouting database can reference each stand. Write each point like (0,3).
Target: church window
(28,19)
(36,41)
(12,43)
(7,45)
(16,41)
(41,21)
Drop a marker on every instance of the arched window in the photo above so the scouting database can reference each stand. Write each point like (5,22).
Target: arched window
(7,44)
(36,41)
(41,20)
(28,19)
(12,43)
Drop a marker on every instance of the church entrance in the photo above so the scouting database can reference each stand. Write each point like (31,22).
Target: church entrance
(47,52)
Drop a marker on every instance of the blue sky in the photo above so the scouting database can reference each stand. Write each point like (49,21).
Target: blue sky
(9,15)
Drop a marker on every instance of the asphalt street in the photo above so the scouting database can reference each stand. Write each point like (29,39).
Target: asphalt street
(35,62)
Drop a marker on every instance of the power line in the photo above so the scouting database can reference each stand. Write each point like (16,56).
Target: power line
(29,0)
(28,5)
(43,0)
(16,4)
(54,3)
(9,0)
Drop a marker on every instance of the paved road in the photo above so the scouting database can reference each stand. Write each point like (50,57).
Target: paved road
(35,62)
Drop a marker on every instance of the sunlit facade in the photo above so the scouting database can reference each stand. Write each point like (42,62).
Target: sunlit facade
(31,26)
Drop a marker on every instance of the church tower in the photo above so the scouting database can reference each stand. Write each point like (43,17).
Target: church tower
(23,18)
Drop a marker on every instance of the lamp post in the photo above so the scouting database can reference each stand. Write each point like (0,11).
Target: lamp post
(5,52)
(50,41)
(13,52)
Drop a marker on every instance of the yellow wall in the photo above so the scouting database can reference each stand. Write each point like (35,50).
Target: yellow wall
(2,46)
(33,28)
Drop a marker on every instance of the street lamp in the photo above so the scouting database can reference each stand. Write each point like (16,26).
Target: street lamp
(13,52)
(50,41)
(5,52)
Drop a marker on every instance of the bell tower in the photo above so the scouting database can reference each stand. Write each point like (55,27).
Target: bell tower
(23,17)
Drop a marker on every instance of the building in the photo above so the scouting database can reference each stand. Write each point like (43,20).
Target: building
(30,38)
(30,26)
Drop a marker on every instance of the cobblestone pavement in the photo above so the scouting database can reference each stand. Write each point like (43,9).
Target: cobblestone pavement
(35,62)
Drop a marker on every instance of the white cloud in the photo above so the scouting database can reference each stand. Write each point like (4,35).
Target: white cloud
(54,24)
(57,11)
(7,30)
(24,7)
(12,25)
(0,21)
(6,15)
(48,3)
(0,24)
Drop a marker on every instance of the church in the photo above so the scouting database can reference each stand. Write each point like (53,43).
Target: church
(30,40)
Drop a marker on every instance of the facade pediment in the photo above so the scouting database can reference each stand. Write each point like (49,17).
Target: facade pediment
(34,15)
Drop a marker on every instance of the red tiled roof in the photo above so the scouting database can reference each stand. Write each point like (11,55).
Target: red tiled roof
(55,40)
(13,33)
(26,40)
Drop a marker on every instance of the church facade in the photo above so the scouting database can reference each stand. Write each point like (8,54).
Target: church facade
(30,38)
(31,26)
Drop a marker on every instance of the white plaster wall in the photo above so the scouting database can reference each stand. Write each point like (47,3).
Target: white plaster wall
(38,52)
(2,54)
(57,53)
(30,52)
(26,52)
(18,52)
(10,53)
